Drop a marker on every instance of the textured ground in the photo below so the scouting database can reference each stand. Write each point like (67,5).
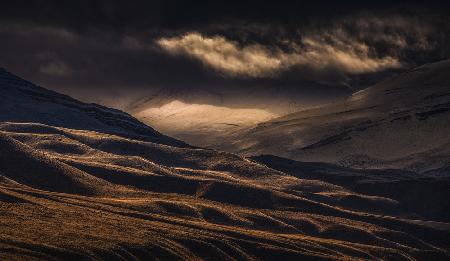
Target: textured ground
(81,181)
(70,194)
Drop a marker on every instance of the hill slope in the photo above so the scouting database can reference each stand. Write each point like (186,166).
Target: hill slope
(201,116)
(402,122)
(22,101)
(73,193)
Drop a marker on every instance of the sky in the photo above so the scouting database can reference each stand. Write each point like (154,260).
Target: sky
(92,49)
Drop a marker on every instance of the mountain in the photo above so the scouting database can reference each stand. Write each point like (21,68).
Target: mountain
(83,182)
(201,124)
(201,116)
(23,101)
(402,122)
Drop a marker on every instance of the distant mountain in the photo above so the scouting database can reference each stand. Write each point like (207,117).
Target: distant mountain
(402,122)
(201,124)
(84,182)
(201,116)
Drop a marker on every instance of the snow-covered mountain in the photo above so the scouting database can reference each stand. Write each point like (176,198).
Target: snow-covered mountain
(23,101)
(402,122)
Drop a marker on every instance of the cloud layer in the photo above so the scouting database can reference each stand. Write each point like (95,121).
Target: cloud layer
(224,55)
(257,60)
(360,44)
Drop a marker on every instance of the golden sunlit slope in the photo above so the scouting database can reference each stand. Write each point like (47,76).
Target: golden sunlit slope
(74,194)
(201,124)
(202,116)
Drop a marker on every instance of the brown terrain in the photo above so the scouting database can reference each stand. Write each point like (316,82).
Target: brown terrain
(118,190)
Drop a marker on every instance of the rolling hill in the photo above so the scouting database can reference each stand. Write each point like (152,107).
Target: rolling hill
(82,182)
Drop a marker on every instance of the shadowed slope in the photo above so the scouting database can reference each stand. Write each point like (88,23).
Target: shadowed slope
(33,168)
(424,195)
(22,101)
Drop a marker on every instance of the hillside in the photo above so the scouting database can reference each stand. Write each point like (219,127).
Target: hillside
(78,184)
(201,116)
(23,101)
(402,122)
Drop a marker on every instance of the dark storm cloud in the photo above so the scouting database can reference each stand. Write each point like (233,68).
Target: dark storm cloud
(83,14)
(135,45)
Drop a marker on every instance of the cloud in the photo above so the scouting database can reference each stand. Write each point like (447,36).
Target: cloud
(347,57)
(224,55)
(257,60)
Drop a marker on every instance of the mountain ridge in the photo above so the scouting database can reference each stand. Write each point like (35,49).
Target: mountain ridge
(401,122)
(101,118)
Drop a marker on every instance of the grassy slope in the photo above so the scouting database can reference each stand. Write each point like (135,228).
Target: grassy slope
(80,194)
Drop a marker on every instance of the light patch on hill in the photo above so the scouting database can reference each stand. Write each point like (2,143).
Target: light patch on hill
(183,119)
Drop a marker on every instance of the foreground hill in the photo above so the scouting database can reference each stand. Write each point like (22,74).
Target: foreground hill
(403,122)
(68,192)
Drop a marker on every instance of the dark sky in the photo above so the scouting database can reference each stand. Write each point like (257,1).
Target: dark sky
(100,47)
